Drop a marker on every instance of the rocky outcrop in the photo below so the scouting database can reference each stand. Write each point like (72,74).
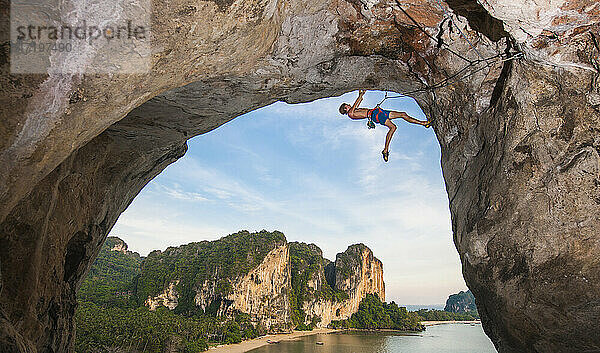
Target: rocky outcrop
(245,272)
(356,273)
(262,292)
(461,302)
(168,298)
(519,138)
(118,244)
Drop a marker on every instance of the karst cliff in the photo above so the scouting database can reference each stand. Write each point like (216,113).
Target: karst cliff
(461,302)
(511,87)
(246,272)
(279,285)
(333,290)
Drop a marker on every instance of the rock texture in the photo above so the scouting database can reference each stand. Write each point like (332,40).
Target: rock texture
(262,292)
(119,245)
(246,272)
(168,298)
(519,138)
(358,272)
(461,302)
(355,272)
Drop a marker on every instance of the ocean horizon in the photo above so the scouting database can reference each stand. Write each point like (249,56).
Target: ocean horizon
(416,307)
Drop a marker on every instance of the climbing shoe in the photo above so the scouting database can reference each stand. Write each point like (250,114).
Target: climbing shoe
(386,155)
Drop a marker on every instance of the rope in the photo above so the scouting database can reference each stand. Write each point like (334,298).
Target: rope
(450,80)
(444,83)
(383,100)
(440,42)
(429,35)
(459,30)
(453,78)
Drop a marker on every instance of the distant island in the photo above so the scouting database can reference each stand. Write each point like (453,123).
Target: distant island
(462,302)
(236,288)
(373,314)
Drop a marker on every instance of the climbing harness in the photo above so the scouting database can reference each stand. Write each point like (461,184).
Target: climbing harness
(370,119)
(370,123)
(443,83)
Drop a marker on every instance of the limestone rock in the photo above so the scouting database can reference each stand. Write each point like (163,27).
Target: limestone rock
(519,138)
(461,302)
(168,298)
(357,273)
(118,245)
(263,293)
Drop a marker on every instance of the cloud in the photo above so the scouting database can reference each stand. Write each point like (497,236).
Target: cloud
(144,231)
(178,193)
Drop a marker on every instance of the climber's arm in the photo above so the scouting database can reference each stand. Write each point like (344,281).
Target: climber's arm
(361,93)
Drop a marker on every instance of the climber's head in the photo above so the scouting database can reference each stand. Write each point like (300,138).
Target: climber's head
(344,108)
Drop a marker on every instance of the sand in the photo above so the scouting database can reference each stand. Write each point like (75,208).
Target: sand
(245,346)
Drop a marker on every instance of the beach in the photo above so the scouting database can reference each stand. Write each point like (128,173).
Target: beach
(245,346)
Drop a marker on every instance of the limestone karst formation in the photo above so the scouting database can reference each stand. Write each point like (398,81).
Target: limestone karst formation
(511,84)
(264,288)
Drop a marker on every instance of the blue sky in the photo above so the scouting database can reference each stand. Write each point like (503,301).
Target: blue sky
(318,177)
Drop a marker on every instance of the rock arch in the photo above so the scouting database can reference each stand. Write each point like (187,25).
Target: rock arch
(519,138)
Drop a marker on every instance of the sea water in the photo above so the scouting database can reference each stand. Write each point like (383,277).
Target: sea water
(446,338)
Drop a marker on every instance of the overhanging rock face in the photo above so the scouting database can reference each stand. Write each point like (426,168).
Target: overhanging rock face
(520,143)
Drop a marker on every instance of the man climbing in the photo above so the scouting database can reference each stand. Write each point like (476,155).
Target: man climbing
(378,115)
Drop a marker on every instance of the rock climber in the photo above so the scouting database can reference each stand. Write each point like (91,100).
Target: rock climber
(381,116)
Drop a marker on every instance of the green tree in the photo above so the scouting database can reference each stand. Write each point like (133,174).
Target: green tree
(111,311)
(373,314)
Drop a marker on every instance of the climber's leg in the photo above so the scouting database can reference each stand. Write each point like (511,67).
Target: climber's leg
(395,115)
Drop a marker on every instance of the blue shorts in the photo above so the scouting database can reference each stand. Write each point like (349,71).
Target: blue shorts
(379,115)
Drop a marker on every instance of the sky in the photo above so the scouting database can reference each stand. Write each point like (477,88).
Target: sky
(318,177)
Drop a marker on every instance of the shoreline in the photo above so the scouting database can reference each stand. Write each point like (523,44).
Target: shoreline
(433,323)
(258,342)
(254,343)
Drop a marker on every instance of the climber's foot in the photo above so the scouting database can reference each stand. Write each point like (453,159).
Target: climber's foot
(386,155)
